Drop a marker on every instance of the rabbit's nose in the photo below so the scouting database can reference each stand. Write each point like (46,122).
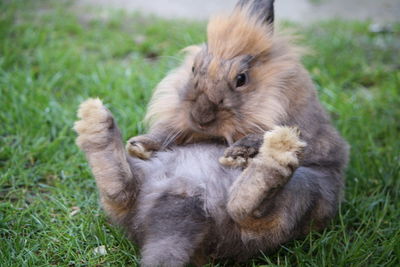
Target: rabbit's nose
(204,112)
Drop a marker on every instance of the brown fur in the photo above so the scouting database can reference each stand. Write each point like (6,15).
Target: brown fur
(173,224)
(94,121)
(278,156)
(277,83)
(199,100)
(237,34)
(245,87)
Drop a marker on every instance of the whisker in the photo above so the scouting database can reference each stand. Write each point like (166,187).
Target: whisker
(256,128)
(170,138)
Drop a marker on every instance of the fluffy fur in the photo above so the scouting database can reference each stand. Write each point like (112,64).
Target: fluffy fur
(280,177)
(183,206)
(238,42)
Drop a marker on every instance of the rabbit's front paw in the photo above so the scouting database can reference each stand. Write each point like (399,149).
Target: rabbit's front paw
(142,146)
(238,154)
(283,145)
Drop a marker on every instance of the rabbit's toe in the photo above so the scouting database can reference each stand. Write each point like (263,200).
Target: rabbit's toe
(233,162)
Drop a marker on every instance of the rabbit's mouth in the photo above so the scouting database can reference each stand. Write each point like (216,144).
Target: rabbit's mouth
(217,126)
(203,126)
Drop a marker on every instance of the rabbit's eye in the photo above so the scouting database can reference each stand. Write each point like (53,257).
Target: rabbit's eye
(241,79)
(193,69)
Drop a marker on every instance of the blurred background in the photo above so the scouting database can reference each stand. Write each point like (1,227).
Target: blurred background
(294,10)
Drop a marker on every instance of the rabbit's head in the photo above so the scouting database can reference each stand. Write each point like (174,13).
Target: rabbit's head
(236,83)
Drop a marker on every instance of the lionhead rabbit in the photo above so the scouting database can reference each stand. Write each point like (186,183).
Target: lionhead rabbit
(200,200)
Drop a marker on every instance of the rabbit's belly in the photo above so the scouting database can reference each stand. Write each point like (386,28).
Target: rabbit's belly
(196,164)
(191,170)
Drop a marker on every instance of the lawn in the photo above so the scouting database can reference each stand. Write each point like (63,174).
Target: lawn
(52,57)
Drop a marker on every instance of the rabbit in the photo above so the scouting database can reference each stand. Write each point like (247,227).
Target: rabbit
(183,206)
(240,156)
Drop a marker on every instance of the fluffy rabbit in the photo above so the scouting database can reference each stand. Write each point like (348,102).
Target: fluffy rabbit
(199,200)
(244,81)
(182,205)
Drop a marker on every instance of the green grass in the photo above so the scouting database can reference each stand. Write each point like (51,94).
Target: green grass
(53,57)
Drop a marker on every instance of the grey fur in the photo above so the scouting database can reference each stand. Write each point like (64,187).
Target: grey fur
(176,202)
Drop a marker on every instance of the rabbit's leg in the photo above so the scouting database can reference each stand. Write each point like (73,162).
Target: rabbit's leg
(100,139)
(238,154)
(275,199)
(266,173)
(175,228)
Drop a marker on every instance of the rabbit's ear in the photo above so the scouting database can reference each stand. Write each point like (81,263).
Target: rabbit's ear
(263,9)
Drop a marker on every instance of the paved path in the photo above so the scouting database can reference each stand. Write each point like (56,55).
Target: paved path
(294,10)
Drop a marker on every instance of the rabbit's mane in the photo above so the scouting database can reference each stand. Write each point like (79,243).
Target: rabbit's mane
(238,34)
(283,84)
